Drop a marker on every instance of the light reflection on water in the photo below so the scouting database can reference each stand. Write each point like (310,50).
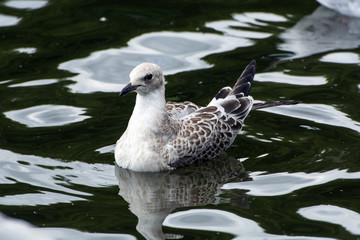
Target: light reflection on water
(222,221)
(47,115)
(323,31)
(15,229)
(34,83)
(52,175)
(155,195)
(346,218)
(175,52)
(280,77)
(282,183)
(28,50)
(319,113)
(35,199)
(341,58)
(247,21)
(6,21)
(153,199)
(27,4)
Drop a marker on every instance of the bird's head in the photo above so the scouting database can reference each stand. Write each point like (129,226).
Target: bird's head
(144,79)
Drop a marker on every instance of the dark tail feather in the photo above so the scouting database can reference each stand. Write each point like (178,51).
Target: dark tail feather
(240,106)
(223,93)
(260,105)
(243,84)
(242,89)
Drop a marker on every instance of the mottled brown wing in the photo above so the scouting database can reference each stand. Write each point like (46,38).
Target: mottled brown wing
(179,110)
(203,135)
(206,132)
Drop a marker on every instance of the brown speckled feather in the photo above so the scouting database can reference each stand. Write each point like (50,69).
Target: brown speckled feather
(205,132)
(179,110)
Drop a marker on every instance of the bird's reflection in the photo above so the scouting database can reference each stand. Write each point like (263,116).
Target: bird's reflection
(323,31)
(153,196)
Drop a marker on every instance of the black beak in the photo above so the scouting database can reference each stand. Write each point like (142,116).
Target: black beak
(128,88)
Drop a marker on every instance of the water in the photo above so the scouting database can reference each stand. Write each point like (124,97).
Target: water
(293,173)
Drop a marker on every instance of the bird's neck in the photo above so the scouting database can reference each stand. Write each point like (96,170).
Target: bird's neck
(149,111)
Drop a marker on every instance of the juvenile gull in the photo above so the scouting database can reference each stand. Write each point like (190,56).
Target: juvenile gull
(162,136)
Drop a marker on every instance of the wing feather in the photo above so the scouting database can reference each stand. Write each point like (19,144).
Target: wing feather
(202,135)
(178,110)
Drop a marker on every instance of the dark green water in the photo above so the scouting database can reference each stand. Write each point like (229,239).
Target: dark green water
(63,64)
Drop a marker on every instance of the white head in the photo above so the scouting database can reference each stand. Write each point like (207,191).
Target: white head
(144,79)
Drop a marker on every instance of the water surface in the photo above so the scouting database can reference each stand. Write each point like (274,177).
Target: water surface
(292,173)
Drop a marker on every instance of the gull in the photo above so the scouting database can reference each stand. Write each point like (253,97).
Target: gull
(164,135)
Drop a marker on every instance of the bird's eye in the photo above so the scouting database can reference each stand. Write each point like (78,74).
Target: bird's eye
(148,77)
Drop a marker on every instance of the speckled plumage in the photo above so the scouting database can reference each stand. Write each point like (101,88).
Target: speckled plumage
(162,136)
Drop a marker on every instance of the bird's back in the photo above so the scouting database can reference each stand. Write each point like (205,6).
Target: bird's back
(205,132)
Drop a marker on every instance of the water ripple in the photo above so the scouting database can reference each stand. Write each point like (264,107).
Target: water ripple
(174,51)
(284,183)
(27,50)
(246,20)
(54,176)
(222,221)
(153,196)
(319,113)
(28,4)
(341,57)
(15,229)
(34,83)
(47,115)
(322,31)
(6,21)
(346,218)
(34,199)
(280,77)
